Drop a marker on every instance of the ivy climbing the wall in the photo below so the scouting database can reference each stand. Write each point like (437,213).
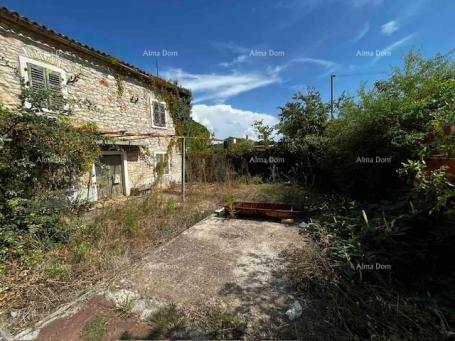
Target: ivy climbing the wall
(178,101)
(42,157)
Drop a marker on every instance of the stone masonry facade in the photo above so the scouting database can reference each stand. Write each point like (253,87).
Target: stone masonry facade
(100,95)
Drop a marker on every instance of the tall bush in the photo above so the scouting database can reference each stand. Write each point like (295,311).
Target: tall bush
(390,124)
(41,157)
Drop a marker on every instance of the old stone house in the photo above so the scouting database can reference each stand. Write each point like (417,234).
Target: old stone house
(97,88)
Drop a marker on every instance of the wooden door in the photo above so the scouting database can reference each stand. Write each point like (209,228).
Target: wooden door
(109,177)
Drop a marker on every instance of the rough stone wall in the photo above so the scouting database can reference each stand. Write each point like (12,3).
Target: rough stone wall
(141,164)
(100,96)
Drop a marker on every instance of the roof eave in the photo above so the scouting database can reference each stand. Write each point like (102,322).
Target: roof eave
(37,28)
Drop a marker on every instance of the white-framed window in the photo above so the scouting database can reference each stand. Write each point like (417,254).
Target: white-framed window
(162,163)
(158,114)
(44,79)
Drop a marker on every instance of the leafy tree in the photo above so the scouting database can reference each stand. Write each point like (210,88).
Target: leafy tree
(201,142)
(302,125)
(263,131)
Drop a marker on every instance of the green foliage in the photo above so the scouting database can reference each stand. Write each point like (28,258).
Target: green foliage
(393,120)
(178,101)
(359,310)
(405,117)
(402,213)
(57,270)
(132,217)
(41,158)
(170,205)
(302,124)
(263,131)
(125,308)
(305,115)
(197,146)
(241,148)
(166,320)
(432,191)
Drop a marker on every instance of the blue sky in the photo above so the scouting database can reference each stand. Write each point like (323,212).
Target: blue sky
(244,59)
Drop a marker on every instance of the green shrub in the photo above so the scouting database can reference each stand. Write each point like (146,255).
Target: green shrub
(41,158)
(393,121)
(57,270)
(132,218)
(166,320)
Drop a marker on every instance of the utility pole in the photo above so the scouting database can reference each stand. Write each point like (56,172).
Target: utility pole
(183,167)
(157,72)
(332,77)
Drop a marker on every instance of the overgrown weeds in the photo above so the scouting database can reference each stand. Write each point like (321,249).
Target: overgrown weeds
(94,330)
(98,245)
(211,323)
(126,307)
(167,320)
(360,309)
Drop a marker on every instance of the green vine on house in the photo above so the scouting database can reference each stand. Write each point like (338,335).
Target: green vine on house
(43,155)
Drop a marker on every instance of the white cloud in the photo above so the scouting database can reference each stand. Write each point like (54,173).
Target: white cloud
(241,52)
(225,121)
(388,50)
(389,27)
(361,33)
(328,65)
(219,87)
(237,60)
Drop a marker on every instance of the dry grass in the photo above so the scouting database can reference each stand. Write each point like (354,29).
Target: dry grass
(103,243)
(358,310)
(206,323)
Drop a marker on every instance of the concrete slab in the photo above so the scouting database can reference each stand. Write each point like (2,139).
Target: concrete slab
(235,264)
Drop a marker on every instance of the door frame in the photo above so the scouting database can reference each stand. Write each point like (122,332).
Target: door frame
(124,164)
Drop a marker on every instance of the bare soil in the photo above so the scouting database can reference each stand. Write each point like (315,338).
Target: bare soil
(72,327)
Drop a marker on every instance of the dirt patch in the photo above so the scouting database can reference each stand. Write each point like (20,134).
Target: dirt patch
(97,319)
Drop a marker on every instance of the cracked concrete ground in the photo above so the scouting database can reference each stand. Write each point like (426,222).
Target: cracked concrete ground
(233,263)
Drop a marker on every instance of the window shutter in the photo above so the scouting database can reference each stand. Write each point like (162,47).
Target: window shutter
(159,118)
(37,77)
(37,83)
(156,114)
(162,115)
(46,85)
(55,87)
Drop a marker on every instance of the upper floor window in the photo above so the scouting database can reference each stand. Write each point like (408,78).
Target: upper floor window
(159,114)
(45,83)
